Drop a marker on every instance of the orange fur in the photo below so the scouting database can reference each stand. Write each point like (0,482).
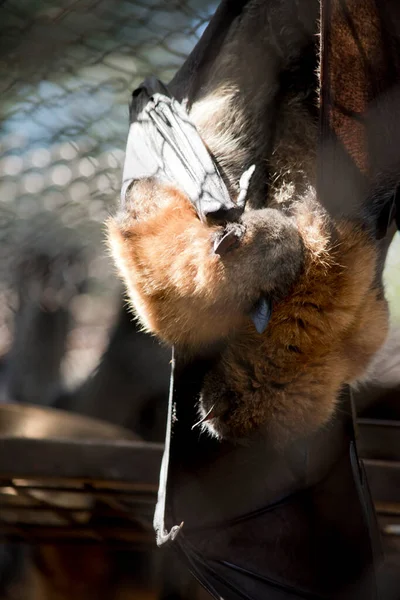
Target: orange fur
(167,262)
(182,291)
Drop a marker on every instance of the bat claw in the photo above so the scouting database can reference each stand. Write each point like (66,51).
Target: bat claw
(244,186)
(229,240)
(261,314)
(207,417)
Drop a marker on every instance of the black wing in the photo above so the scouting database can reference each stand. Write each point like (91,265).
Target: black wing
(360,107)
(261,523)
(163,143)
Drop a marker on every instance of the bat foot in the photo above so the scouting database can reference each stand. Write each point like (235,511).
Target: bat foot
(215,409)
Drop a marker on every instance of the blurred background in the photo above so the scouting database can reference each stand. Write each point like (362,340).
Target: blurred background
(392,280)
(67,69)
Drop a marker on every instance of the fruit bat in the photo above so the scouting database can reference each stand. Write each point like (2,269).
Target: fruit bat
(220,224)
(275,504)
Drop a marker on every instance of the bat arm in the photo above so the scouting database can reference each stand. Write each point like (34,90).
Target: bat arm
(244,183)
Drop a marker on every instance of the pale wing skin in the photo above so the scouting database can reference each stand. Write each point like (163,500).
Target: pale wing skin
(163,143)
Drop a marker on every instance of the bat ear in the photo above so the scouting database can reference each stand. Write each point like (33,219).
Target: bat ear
(359,160)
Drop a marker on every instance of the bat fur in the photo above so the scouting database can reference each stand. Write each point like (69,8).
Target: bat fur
(323,275)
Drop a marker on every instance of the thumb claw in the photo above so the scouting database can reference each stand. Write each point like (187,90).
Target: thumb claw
(229,240)
(244,186)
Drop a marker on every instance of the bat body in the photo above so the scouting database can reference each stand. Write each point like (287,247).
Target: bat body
(319,274)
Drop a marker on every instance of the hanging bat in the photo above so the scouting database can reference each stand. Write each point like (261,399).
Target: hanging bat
(206,243)
(286,513)
(167,148)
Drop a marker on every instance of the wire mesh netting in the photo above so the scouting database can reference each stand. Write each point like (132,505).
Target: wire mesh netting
(67,70)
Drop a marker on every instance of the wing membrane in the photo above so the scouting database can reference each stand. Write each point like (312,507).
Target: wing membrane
(164,143)
(360,108)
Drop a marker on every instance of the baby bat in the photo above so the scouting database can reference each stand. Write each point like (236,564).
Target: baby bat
(197,274)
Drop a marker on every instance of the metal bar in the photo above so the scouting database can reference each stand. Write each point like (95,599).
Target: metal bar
(388,508)
(379,439)
(366,422)
(99,533)
(122,461)
(384,480)
(111,488)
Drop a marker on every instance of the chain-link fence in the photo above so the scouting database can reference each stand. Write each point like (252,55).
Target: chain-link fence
(67,69)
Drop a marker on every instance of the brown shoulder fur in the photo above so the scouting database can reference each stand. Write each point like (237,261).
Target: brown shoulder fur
(321,336)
